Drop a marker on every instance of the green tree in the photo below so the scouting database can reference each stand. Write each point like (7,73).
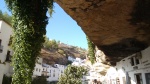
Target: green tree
(5,17)
(91,48)
(1,13)
(50,44)
(72,75)
(29,21)
(54,44)
(47,43)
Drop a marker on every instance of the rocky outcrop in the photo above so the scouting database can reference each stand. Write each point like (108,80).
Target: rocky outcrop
(118,27)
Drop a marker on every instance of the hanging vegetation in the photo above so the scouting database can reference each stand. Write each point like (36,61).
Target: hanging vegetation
(91,48)
(29,21)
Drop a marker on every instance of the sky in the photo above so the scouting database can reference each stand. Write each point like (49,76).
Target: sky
(61,27)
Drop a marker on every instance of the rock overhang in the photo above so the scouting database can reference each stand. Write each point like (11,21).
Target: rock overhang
(118,27)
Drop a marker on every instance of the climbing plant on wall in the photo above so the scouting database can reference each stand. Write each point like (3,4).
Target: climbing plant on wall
(29,21)
(91,48)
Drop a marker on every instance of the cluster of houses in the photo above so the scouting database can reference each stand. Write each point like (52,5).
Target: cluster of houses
(51,72)
(134,69)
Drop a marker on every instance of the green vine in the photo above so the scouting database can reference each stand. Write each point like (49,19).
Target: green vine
(91,48)
(29,21)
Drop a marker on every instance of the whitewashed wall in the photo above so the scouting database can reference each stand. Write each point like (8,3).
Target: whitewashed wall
(5,33)
(37,70)
(55,72)
(124,66)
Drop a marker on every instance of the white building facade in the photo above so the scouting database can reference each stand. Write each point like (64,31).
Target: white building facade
(38,67)
(134,69)
(5,51)
(55,72)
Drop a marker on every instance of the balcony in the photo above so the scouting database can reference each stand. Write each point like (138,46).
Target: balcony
(1,48)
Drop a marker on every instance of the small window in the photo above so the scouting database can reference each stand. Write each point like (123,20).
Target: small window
(137,61)
(0,42)
(1,47)
(39,70)
(132,61)
(10,41)
(53,74)
(36,69)
(8,56)
(138,78)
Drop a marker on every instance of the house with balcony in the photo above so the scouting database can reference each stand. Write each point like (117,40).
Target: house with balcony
(5,50)
(134,69)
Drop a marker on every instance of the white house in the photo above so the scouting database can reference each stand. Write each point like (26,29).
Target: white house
(5,51)
(55,72)
(38,67)
(78,62)
(70,58)
(134,69)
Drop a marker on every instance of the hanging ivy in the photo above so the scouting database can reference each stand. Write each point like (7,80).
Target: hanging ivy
(91,48)
(29,21)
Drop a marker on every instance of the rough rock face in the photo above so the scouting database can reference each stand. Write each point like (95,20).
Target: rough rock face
(118,27)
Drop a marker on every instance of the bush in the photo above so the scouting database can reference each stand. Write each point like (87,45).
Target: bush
(39,80)
(72,75)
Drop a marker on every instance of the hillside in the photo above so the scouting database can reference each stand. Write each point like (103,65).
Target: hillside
(59,55)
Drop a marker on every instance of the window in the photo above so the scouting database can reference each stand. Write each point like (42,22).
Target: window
(39,70)
(54,74)
(136,59)
(8,56)
(1,47)
(132,61)
(36,69)
(0,42)
(138,78)
(10,41)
